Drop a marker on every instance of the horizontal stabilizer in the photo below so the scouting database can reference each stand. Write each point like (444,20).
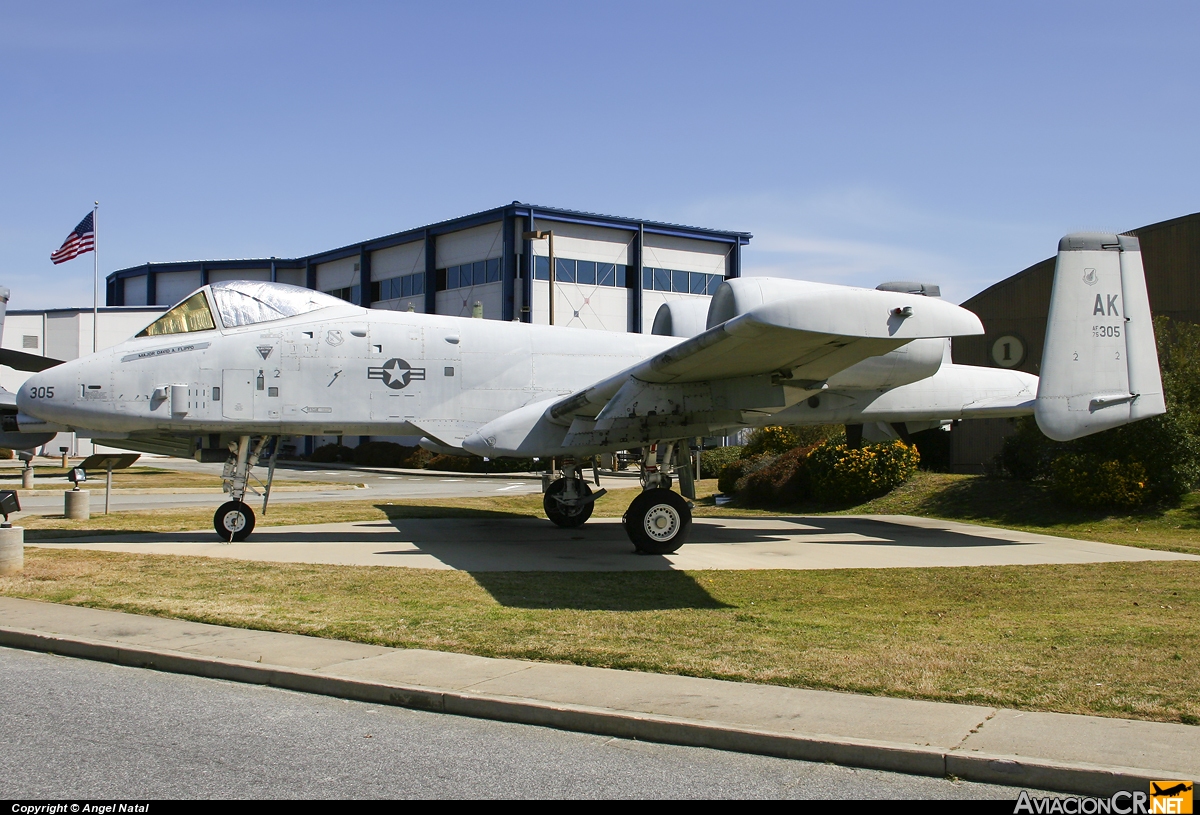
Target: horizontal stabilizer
(20,361)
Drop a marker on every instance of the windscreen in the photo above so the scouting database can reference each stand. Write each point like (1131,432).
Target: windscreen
(249,302)
(192,314)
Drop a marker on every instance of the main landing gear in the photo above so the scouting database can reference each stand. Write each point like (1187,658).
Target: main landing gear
(234,520)
(657,521)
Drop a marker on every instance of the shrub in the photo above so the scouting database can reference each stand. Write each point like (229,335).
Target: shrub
(839,474)
(770,441)
(329,453)
(1088,481)
(713,460)
(5,453)
(377,454)
(1167,447)
(784,480)
(733,472)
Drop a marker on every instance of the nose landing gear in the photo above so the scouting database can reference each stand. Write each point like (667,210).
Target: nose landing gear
(234,520)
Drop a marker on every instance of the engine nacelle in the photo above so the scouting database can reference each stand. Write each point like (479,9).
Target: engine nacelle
(741,294)
(681,318)
(913,362)
(918,360)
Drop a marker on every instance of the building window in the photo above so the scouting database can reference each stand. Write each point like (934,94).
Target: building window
(469,274)
(583,272)
(348,293)
(674,280)
(409,285)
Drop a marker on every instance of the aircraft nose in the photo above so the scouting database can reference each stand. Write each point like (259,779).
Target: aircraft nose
(46,395)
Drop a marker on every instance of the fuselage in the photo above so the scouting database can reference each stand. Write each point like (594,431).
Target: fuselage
(345,370)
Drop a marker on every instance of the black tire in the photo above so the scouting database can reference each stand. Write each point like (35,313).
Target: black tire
(561,515)
(234,521)
(658,521)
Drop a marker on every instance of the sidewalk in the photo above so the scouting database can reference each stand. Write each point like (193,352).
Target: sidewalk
(1083,754)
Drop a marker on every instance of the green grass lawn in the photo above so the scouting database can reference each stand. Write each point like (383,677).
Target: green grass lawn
(1109,639)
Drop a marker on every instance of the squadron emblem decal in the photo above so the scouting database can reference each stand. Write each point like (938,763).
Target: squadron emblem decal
(396,373)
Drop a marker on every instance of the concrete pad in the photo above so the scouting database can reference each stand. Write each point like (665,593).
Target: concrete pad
(1090,739)
(531,544)
(764,707)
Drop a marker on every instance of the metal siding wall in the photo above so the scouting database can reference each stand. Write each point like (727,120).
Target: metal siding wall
(135,290)
(174,286)
(459,302)
(337,274)
(469,245)
(396,261)
(667,252)
(293,277)
(218,275)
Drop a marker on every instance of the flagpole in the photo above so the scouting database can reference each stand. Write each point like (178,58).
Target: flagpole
(95,277)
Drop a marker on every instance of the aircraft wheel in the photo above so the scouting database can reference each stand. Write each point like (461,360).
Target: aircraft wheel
(561,514)
(234,521)
(658,521)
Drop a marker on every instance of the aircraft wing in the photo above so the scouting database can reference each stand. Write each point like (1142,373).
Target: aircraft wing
(734,367)
(21,361)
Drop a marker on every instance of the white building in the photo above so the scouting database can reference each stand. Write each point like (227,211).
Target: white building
(65,334)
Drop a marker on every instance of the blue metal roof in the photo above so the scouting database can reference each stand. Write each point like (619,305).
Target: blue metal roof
(516,208)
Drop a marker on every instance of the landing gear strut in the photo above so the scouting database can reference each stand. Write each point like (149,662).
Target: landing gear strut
(568,501)
(234,520)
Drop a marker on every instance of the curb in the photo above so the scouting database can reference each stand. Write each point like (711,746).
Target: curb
(1016,771)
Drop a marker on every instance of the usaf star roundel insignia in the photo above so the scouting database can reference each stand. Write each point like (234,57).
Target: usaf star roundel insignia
(396,373)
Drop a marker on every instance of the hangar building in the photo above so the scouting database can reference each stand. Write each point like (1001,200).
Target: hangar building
(1014,314)
(611,274)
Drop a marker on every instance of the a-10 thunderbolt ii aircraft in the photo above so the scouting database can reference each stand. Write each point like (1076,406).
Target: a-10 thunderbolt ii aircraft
(237,363)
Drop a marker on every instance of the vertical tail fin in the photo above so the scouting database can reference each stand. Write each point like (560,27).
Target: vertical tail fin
(1100,363)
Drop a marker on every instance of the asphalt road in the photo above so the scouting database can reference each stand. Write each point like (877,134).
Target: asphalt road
(74,729)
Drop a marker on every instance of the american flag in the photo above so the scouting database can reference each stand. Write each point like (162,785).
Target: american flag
(82,239)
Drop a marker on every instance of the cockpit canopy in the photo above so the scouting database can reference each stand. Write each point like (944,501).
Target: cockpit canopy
(239,303)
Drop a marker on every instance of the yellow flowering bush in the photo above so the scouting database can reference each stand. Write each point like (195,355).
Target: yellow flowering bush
(1089,481)
(840,474)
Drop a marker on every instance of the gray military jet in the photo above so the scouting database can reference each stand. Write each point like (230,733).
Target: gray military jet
(238,363)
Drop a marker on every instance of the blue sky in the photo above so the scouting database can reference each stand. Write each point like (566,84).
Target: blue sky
(952,143)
